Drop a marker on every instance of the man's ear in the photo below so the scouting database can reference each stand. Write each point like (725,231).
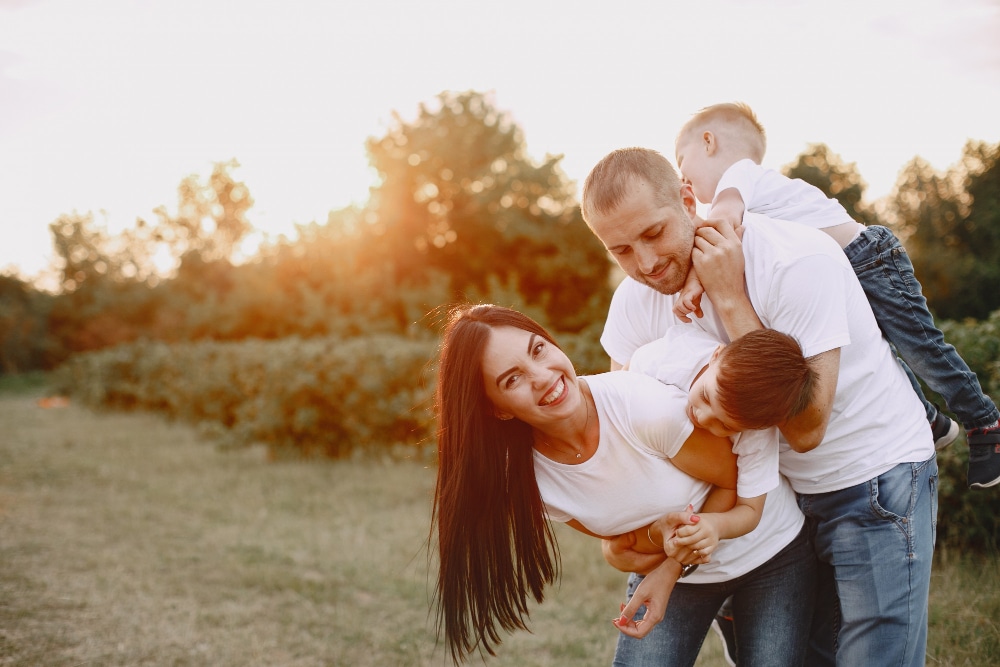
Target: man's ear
(688,201)
(710,143)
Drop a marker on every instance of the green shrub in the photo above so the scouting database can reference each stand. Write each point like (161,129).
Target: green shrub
(970,519)
(317,396)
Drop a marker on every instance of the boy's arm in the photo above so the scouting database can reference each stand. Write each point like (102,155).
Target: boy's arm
(728,206)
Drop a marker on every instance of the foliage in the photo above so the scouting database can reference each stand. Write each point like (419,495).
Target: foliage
(970,520)
(821,167)
(951,226)
(320,396)
(460,196)
(24,340)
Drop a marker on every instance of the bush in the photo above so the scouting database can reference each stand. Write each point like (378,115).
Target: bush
(970,519)
(318,396)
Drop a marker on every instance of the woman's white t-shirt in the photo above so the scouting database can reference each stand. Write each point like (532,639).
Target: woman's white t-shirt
(629,481)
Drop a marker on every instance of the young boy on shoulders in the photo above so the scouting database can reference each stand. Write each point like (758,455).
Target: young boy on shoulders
(719,152)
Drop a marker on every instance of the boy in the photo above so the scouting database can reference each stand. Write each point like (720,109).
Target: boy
(758,381)
(719,152)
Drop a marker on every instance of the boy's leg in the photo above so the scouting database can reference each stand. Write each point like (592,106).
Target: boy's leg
(886,274)
(879,538)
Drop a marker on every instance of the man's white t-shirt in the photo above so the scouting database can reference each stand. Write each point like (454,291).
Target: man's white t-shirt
(771,193)
(629,481)
(676,359)
(800,282)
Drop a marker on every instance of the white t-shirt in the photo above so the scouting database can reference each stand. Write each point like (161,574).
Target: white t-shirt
(770,193)
(800,282)
(675,359)
(629,481)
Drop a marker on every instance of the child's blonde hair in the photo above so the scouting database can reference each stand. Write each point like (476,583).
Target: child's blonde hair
(733,122)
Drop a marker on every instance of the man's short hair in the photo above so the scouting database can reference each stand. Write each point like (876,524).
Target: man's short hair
(608,182)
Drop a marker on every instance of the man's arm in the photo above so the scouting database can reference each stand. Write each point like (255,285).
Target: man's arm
(721,265)
(807,429)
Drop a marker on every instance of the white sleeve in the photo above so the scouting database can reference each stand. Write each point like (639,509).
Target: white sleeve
(638,315)
(744,176)
(757,461)
(659,415)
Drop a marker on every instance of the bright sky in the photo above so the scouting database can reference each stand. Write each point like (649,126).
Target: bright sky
(106,106)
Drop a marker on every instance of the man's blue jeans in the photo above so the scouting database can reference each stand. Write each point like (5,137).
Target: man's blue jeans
(772,611)
(886,275)
(876,541)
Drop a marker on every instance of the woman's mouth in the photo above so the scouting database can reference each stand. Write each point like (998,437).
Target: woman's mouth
(555,393)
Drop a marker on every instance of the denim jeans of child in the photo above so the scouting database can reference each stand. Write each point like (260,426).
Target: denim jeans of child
(772,612)
(886,275)
(875,543)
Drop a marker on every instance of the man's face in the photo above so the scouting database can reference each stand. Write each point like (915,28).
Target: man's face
(651,242)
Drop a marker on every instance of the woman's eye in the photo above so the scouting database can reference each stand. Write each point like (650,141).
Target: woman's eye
(539,347)
(510,381)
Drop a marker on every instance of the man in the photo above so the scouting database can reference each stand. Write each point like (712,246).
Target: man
(860,456)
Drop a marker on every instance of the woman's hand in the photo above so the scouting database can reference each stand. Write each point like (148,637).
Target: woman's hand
(653,592)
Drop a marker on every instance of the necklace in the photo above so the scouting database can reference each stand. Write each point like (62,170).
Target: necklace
(586,423)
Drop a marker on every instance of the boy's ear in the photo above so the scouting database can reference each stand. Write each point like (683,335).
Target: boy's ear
(716,353)
(710,143)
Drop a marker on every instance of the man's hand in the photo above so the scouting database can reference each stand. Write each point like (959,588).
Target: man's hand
(621,555)
(718,258)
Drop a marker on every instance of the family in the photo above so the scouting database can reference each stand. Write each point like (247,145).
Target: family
(757,443)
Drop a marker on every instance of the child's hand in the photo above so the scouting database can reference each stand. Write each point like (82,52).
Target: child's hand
(700,537)
(689,298)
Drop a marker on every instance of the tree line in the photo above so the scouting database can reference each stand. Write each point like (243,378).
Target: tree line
(461,212)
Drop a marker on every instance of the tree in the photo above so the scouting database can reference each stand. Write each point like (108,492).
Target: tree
(459,195)
(211,216)
(820,166)
(951,226)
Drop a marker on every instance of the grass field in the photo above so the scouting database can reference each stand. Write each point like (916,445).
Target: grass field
(127,540)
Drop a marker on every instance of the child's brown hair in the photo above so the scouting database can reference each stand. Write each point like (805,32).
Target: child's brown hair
(763,379)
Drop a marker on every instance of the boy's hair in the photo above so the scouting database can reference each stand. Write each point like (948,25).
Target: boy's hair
(763,379)
(733,121)
(607,183)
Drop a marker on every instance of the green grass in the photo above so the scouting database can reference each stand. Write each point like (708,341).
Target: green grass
(127,540)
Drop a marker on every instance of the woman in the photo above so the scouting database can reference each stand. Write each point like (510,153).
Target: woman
(522,439)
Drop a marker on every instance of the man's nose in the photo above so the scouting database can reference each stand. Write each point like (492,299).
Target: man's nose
(646,258)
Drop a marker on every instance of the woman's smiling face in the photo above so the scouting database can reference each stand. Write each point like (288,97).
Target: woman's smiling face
(527,377)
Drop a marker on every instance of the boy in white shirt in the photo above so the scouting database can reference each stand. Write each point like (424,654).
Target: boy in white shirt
(729,396)
(719,151)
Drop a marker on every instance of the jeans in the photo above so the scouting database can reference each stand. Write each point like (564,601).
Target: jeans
(772,612)
(875,542)
(886,275)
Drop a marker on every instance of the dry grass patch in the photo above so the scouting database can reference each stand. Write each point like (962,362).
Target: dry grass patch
(127,540)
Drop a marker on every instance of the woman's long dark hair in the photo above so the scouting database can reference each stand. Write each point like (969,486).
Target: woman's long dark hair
(494,542)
